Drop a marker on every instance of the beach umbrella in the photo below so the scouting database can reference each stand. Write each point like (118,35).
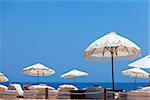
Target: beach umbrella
(141,63)
(111,47)
(3,87)
(74,74)
(3,78)
(38,70)
(136,73)
(40,87)
(67,87)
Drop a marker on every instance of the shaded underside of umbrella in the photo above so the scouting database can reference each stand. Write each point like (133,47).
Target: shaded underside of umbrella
(141,63)
(3,78)
(135,72)
(103,48)
(111,47)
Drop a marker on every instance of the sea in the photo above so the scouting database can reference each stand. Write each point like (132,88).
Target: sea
(81,85)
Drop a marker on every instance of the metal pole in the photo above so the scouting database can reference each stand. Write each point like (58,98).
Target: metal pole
(113,84)
(75,81)
(112,61)
(38,77)
(135,83)
(149,79)
(46,93)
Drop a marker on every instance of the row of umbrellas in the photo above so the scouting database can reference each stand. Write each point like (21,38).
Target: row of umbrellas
(137,72)
(108,48)
(42,70)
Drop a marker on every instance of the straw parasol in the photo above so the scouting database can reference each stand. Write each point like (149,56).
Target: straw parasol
(135,72)
(38,70)
(74,74)
(111,47)
(3,78)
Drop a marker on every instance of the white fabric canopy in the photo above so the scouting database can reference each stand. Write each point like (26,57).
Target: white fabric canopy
(3,87)
(38,70)
(18,88)
(141,63)
(3,78)
(136,72)
(40,87)
(111,47)
(67,86)
(122,48)
(146,88)
(74,73)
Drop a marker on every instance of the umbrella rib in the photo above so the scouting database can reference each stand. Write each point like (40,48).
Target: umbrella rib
(126,49)
(108,49)
(111,50)
(116,50)
(93,51)
(104,50)
(43,73)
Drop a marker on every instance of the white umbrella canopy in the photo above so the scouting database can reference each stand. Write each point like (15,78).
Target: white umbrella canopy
(67,87)
(40,87)
(38,70)
(3,78)
(74,73)
(135,72)
(141,63)
(3,87)
(101,49)
(111,47)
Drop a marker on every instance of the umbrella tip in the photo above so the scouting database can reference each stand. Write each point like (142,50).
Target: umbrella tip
(112,33)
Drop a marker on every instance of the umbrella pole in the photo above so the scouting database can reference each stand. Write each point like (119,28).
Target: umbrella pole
(38,78)
(135,82)
(149,79)
(74,81)
(112,61)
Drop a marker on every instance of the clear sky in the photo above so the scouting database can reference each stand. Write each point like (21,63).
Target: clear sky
(56,34)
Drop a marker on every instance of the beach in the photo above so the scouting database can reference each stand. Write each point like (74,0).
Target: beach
(101,94)
(74,50)
(80,85)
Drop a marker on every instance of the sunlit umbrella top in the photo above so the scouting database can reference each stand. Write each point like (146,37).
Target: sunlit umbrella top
(122,48)
(67,86)
(3,87)
(38,70)
(3,78)
(40,87)
(74,73)
(135,72)
(141,63)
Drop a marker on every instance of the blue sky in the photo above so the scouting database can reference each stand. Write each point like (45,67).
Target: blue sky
(57,33)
